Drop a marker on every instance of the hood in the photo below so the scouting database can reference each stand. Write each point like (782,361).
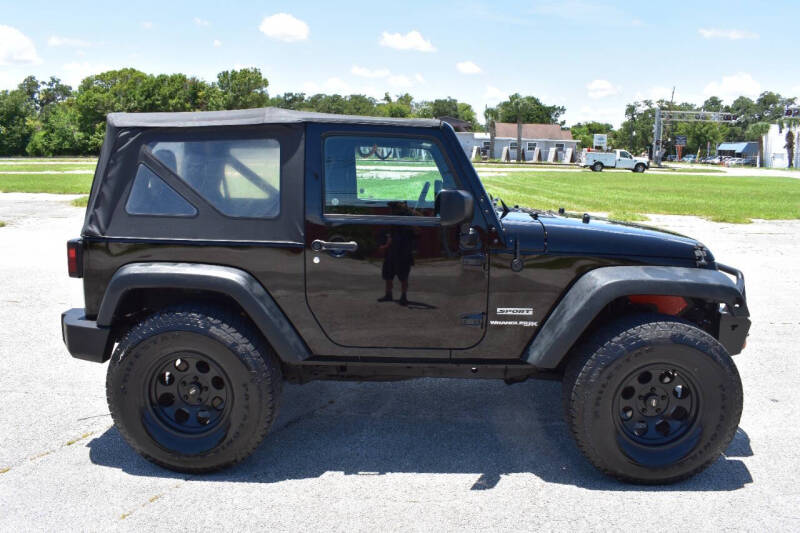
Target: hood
(570,235)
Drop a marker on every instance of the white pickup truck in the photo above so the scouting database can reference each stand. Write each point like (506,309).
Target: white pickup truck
(597,161)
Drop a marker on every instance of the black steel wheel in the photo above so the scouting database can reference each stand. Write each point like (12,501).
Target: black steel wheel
(652,399)
(189,393)
(193,389)
(597,166)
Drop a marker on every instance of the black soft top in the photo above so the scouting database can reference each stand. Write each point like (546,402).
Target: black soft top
(264,115)
(126,148)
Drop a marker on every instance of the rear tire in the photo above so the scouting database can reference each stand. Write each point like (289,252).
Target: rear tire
(193,389)
(651,399)
(597,166)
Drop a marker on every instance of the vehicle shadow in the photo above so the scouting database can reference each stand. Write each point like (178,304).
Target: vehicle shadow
(424,426)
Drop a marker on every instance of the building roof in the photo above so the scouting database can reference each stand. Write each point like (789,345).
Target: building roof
(741,147)
(533,131)
(264,115)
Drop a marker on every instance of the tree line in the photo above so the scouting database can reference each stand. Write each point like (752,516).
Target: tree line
(51,118)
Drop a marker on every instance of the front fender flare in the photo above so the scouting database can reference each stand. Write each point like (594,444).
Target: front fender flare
(232,282)
(599,287)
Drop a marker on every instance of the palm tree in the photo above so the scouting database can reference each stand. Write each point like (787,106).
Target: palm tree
(790,146)
(491,114)
(757,131)
(519,108)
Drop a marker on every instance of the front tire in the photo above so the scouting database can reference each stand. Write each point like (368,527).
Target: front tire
(193,389)
(651,399)
(639,168)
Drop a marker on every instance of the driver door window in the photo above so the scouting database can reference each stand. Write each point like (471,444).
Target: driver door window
(385,176)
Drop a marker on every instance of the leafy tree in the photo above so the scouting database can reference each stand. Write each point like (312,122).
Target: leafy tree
(530,110)
(53,92)
(240,89)
(713,103)
(584,132)
(16,111)
(756,131)
(59,132)
(790,146)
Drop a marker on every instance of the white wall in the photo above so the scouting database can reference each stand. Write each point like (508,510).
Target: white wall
(775,155)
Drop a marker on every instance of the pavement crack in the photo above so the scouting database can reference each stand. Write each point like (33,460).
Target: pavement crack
(152,499)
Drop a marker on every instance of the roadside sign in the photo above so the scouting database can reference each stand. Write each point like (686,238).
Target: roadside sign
(680,140)
(601,140)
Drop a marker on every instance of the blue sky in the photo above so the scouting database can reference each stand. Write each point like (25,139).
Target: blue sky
(591,57)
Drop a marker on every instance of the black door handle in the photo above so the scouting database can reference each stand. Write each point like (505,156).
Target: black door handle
(326,246)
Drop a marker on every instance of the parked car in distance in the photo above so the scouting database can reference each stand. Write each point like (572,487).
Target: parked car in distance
(690,158)
(597,161)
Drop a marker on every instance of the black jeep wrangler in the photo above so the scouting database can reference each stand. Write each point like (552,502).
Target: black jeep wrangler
(225,252)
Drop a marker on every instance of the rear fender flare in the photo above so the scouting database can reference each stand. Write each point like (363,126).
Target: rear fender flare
(597,288)
(232,282)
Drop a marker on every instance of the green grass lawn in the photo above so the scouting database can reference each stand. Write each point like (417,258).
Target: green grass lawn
(629,195)
(38,167)
(623,195)
(52,183)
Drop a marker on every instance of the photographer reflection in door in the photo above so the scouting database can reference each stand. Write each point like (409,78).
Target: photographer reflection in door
(397,246)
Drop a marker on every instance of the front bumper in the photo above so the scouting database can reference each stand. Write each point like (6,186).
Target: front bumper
(734,324)
(84,338)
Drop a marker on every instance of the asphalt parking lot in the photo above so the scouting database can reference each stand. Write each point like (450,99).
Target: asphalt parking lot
(415,455)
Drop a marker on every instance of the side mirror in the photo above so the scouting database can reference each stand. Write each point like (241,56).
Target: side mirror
(454,206)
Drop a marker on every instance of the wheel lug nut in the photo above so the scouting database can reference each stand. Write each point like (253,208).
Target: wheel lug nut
(641,397)
(183,382)
(652,389)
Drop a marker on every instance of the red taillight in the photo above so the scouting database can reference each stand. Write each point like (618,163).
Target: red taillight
(74,258)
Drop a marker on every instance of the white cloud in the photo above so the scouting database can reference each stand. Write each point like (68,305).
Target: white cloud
(16,48)
(147,25)
(399,81)
(201,22)
(331,85)
(55,40)
(412,40)
(611,114)
(284,27)
(468,67)
(370,73)
(601,89)
(733,86)
(419,78)
(637,22)
(733,35)
(73,73)
(217,43)
(494,95)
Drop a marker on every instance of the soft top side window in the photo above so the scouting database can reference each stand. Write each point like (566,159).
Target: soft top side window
(239,177)
(371,175)
(150,195)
